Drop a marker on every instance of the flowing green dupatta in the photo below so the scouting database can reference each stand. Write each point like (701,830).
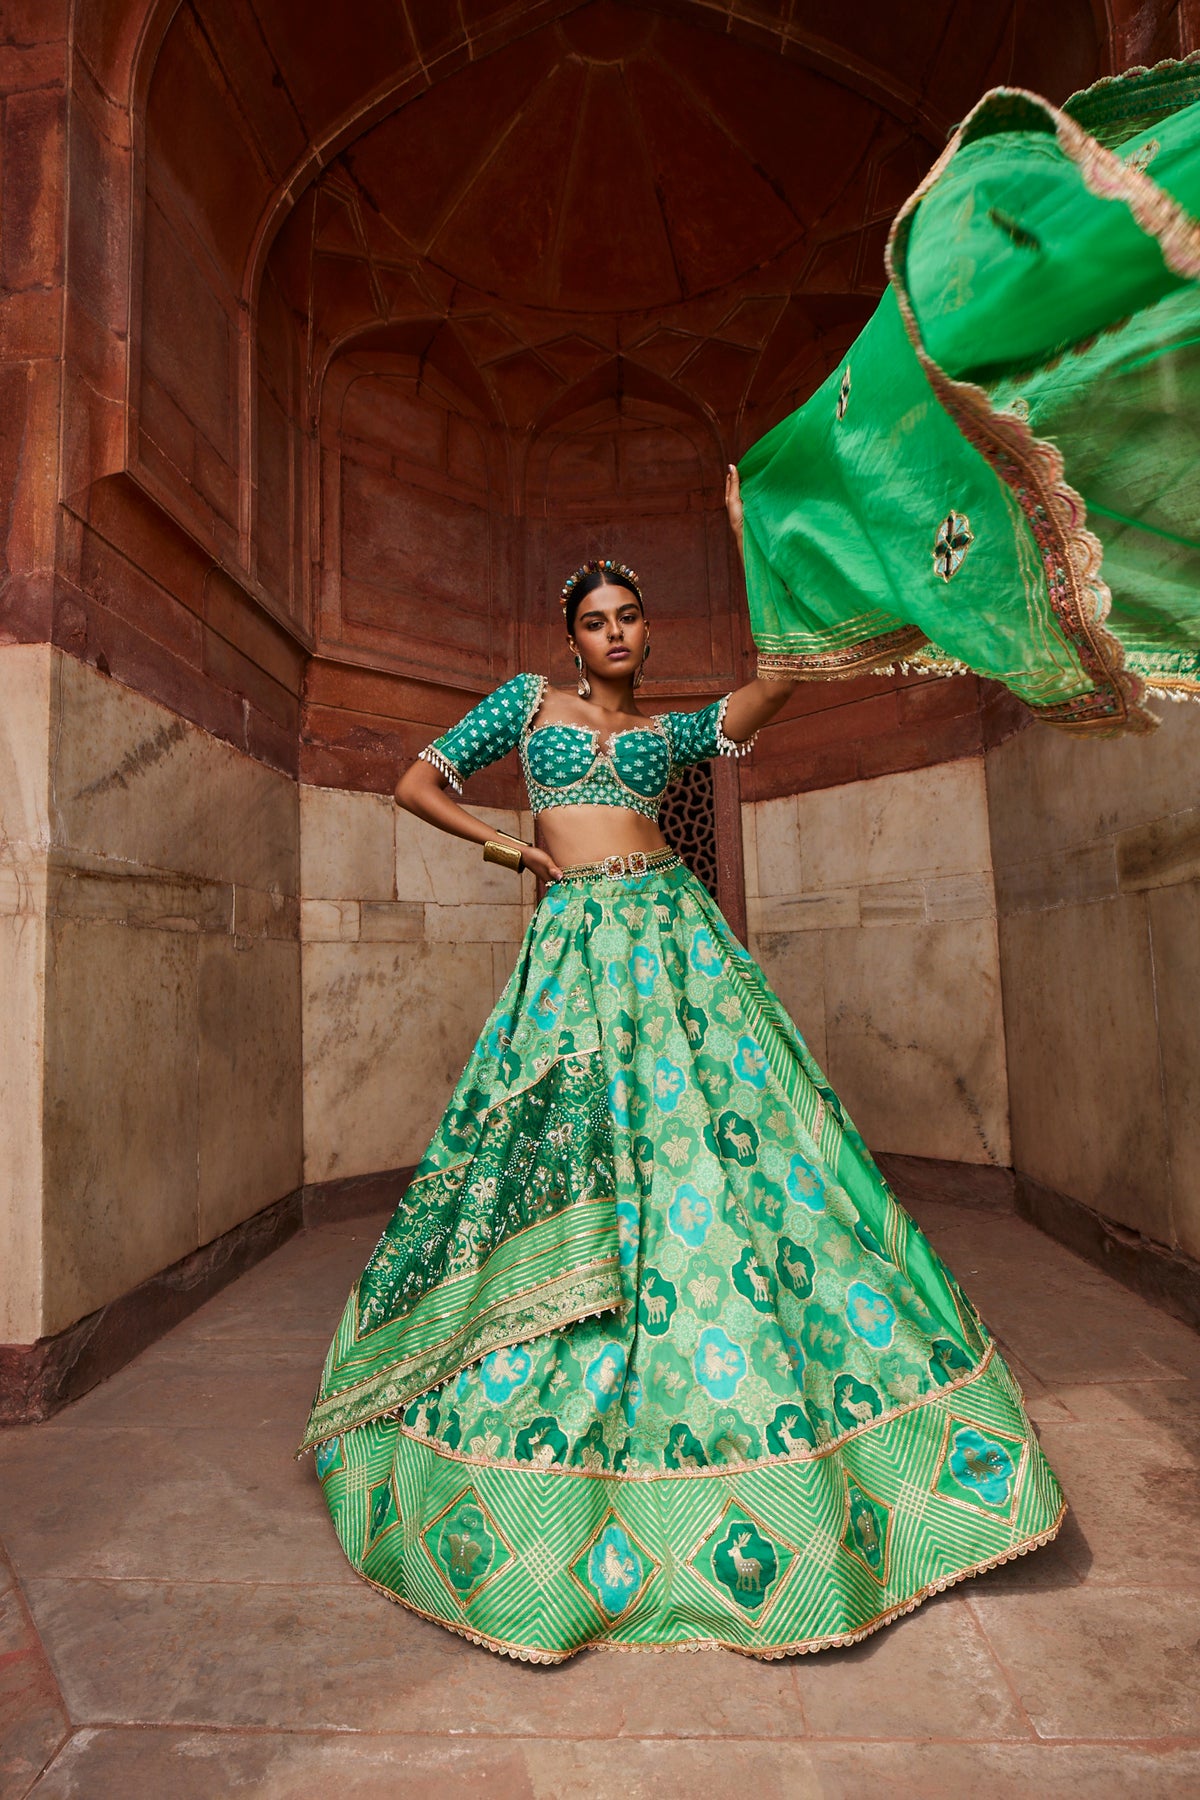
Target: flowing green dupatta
(1004,474)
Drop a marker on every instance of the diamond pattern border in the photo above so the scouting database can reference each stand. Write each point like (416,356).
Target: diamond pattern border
(942,1468)
(490,1574)
(612,1517)
(778,1542)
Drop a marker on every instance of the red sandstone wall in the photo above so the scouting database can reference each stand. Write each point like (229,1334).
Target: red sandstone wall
(340,335)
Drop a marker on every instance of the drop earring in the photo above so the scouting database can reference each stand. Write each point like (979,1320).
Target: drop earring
(584,686)
(641,674)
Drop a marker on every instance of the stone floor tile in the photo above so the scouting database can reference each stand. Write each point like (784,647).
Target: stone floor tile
(203,1505)
(929,1675)
(1100,1662)
(220,1388)
(33,1722)
(1007,1771)
(201,1766)
(1135,1495)
(324,1658)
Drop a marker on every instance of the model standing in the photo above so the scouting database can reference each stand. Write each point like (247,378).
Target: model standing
(649,1357)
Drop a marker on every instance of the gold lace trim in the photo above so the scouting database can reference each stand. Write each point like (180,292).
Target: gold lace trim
(1033,467)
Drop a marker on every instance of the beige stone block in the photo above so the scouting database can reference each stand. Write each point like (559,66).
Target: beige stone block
(387,1031)
(750,849)
(916,1038)
(392,921)
(777,831)
(133,782)
(465,924)
(121,1138)
(1066,878)
(346,845)
(329,921)
(807,912)
(1175,938)
(1160,853)
(265,915)
(920,822)
(1048,790)
(1086,1094)
(144,900)
(504,961)
(250,1085)
(433,865)
(794,965)
(25,708)
(22,1020)
(892,903)
(960,897)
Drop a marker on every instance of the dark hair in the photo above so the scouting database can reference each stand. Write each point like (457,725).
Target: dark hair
(587,584)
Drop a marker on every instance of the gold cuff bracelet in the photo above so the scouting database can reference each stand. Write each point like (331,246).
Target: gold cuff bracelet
(509,855)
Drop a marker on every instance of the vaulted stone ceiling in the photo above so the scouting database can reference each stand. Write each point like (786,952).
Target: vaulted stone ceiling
(661,185)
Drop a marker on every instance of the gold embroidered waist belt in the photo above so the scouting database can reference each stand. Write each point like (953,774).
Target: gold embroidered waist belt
(616,868)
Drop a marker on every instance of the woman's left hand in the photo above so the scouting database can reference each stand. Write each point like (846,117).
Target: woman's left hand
(733,501)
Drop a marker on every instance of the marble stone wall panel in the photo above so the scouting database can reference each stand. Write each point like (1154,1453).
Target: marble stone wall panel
(249,1078)
(872,911)
(25,678)
(121,1111)
(1049,791)
(132,782)
(1083,1056)
(387,1031)
(346,845)
(22,1021)
(915,1038)
(1175,942)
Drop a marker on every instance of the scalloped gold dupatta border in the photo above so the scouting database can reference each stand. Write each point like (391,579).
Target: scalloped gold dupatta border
(1072,555)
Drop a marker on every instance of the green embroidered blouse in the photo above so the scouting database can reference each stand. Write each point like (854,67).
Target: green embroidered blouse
(569,765)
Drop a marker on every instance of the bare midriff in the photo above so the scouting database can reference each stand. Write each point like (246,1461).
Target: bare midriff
(587,834)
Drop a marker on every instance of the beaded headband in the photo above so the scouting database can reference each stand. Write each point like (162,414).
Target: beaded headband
(604,565)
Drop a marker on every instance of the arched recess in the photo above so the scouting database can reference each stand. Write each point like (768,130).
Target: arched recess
(413,524)
(627,465)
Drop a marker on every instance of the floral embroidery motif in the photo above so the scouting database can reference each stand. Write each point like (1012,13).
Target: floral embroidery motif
(954,539)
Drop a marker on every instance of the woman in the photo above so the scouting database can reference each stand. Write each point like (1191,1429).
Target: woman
(649,1357)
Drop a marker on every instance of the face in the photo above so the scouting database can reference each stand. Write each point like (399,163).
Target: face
(610,632)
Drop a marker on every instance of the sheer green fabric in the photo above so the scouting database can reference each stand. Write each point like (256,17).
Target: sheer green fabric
(1003,475)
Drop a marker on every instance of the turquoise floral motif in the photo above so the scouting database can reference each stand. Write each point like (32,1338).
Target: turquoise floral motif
(871,1314)
(749,1063)
(720,1363)
(628,1232)
(615,1569)
(669,1084)
(605,1375)
(504,1371)
(620,1095)
(982,1465)
(704,955)
(690,1214)
(632,1396)
(805,1184)
(644,967)
(326,1456)
(547,1003)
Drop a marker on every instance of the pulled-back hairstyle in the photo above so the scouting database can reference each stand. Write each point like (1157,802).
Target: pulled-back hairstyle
(587,584)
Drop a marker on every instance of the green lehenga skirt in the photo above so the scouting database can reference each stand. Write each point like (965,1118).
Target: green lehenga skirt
(649,1357)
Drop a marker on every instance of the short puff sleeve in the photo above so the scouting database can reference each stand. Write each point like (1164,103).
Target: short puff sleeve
(695,736)
(485,734)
